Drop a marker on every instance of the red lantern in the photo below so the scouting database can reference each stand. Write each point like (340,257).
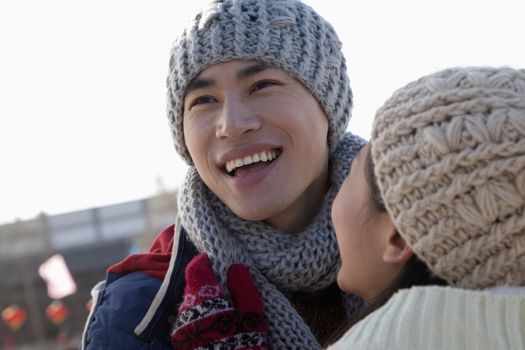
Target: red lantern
(14,317)
(57,312)
(89,305)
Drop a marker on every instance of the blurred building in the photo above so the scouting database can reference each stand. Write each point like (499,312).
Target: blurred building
(90,241)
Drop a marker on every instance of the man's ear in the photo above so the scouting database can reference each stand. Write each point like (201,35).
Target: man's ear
(396,250)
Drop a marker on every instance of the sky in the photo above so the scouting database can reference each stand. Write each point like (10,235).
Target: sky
(82,85)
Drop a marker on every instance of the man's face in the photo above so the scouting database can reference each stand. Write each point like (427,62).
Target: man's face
(258,139)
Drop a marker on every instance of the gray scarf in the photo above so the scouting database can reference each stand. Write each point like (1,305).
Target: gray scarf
(280,263)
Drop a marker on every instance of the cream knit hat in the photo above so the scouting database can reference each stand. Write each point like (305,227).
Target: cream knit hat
(449,156)
(284,33)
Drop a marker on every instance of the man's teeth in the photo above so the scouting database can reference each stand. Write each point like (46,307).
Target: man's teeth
(264,156)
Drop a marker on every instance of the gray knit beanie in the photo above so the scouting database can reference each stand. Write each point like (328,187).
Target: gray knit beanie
(449,156)
(286,34)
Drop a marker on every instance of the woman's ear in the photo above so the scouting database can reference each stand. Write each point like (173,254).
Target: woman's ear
(396,250)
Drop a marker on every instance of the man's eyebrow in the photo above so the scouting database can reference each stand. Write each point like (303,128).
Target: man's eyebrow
(252,70)
(199,83)
(202,83)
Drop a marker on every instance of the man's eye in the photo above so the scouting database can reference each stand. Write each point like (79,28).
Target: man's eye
(261,85)
(201,100)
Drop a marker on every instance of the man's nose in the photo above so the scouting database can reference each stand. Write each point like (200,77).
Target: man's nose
(236,119)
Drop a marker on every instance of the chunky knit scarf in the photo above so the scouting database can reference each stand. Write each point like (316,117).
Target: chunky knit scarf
(280,263)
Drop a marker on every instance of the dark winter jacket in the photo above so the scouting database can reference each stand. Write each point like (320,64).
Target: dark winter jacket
(131,307)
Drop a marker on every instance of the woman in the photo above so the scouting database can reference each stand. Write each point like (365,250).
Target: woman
(258,102)
(438,198)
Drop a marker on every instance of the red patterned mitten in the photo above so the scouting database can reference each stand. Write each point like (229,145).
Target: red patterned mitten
(207,320)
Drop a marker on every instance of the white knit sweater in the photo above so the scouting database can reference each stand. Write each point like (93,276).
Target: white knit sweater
(443,318)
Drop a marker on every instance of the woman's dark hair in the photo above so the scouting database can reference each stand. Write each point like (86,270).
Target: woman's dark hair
(415,272)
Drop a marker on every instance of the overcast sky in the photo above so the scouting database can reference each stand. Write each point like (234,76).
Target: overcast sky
(82,84)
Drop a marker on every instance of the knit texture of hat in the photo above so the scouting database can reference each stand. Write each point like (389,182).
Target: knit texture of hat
(286,34)
(449,156)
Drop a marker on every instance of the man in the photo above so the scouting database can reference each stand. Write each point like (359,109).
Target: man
(258,102)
